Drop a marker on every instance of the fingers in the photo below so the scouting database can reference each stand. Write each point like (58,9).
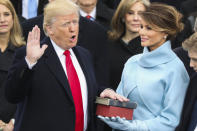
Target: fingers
(120,120)
(36,32)
(2,123)
(11,122)
(108,93)
(29,38)
(44,47)
(121,98)
(113,119)
(34,35)
(113,95)
(102,118)
(7,127)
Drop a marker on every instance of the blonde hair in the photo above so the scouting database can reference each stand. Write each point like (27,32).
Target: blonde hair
(164,18)
(117,24)
(16,37)
(190,43)
(57,8)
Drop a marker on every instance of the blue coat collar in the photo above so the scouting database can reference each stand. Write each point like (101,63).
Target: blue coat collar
(162,54)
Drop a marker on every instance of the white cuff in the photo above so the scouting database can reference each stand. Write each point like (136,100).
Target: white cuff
(30,66)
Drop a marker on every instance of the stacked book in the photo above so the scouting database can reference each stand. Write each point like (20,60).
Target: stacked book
(111,108)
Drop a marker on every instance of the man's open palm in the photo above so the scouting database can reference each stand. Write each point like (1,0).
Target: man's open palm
(34,51)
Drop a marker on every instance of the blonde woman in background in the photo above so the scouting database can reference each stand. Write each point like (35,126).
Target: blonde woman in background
(124,37)
(10,39)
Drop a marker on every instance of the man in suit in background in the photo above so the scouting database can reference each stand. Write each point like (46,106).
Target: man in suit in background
(96,10)
(21,7)
(53,82)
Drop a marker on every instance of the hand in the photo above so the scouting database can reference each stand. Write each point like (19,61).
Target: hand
(34,51)
(7,127)
(113,95)
(125,125)
(2,124)
(116,122)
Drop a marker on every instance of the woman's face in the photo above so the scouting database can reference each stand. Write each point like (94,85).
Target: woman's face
(6,20)
(151,38)
(132,18)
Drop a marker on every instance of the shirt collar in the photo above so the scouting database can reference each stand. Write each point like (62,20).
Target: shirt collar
(92,14)
(59,50)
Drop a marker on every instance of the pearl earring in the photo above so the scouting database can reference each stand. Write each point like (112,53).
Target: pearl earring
(165,37)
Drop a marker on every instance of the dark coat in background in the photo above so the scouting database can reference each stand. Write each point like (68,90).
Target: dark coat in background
(188,7)
(191,95)
(7,110)
(113,4)
(119,53)
(175,3)
(43,94)
(183,35)
(190,99)
(103,14)
(183,55)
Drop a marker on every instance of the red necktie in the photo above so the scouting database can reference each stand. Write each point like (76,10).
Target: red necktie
(88,16)
(76,92)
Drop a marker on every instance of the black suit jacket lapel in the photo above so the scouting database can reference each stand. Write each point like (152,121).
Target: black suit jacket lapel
(53,63)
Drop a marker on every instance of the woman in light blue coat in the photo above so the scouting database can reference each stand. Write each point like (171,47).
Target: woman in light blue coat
(156,79)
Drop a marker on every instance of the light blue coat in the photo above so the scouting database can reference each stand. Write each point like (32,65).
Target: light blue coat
(157,81)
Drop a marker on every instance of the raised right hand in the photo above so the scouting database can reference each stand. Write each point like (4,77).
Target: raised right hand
(7,126)
(33,50)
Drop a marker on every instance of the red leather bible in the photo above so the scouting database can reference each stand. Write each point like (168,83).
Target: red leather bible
(111,108)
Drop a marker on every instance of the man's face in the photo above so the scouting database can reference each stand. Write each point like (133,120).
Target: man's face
(64,31)
(87,5)
(193,59)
